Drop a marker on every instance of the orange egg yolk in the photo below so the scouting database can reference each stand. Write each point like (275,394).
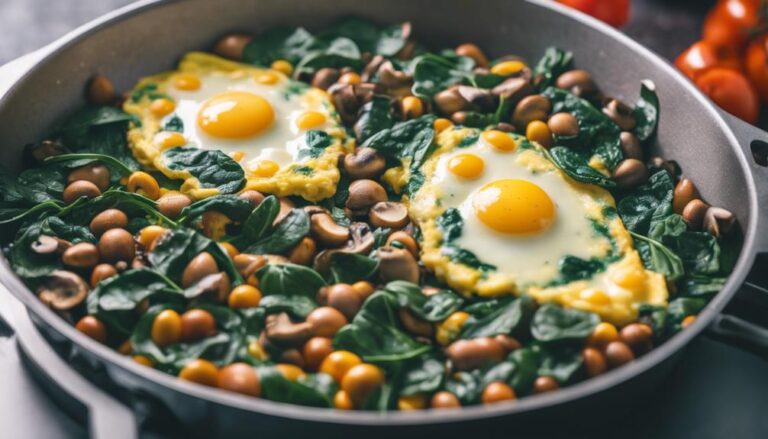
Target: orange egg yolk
(187,82)
(265,168)
(500,140)
(309,120)
(516,207)
(170,139)
(467,166)
(161,107)
(235,115)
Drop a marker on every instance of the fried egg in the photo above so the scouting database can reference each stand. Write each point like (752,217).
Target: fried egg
(259,117)
(498,217)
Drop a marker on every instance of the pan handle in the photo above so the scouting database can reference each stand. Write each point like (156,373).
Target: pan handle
(754,143)
(105,416)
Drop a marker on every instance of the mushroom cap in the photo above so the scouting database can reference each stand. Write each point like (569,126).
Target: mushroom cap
(63,290)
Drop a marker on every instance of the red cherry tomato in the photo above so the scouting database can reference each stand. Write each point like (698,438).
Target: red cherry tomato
(730,23)
(613,12)
(732,92)
(756,65)
(702,56)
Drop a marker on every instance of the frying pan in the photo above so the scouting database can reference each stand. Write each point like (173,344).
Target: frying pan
(721,154)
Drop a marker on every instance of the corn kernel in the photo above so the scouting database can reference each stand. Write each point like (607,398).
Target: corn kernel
(291,372)
(500,140)
(267,78)
(309,120)
(161,107)
(283,67)
(506,68)
(449,329)
(412,402)
(603,334)
(187,82)
(442,124)
(539,132)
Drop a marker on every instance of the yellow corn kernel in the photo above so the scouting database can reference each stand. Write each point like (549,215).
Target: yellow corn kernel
(229,248)
(161,107)
(342,401)
(603,334)
(237,155)
(500,140)
(539,132)
(449,329)
(506,68)
(143,360)
(256,351)
(350,78)
(267,78)
(283,67)
(291,372)
(442,124)
(309,120)
(187,82)
(630,278)
(214,224)
(412,402)
(148,236)
(169,139)
(266,168)
(412,107)
(144,184)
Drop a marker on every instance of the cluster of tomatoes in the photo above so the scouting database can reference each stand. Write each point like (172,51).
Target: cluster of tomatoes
(730,62)
(613,12)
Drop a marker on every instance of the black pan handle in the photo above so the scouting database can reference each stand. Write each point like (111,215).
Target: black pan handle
(106,417)
(745,319)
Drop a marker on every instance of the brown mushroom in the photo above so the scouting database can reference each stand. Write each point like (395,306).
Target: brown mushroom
(231,46)
(388,215)
(451,101)
(620,113)
(470,354)
(578,82)
(45,149)
(46,245)
(217,284)
(534,107)
(415,325)
(513,90)
(254,197)
(397,264)
(325,230)
(694,213)
(630,146)
(719,221)
(325,78)
(81,255)
(479,98)
(392,78)
(199,267)
(286,206)
(96,173)
(364,163)
(63,290)
(283,332)
(100,91)
(363,194)
(360,242)
(630,173)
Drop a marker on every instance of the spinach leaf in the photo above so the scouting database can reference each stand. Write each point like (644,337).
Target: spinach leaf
(375,333)
(115,299)
(577,167)
(433,73)
(290,44)
(212,168)
(337,53)
(555,323)
(526,361)
(258,222)
(100,130)
(422,375)
(699,252)
(374,116)
(658,257)
(174,123)
(412,139)
(285,235)
(704,287)
(451,224)
(289,280)
(466,385)
(554,63)
(511,317)
(572,268)
(433,308)
(646,112)
(350,268)
(560,362)
(314,144)
(28,264)
(648,203)
(308,392)
(387,41)
(234,207)
(177,247)
(297,306)
(117,167)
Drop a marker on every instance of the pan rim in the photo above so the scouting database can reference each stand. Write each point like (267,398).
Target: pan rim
(529,404)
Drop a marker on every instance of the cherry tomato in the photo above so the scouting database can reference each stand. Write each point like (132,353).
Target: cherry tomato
(756,65)
(732,91)
(730,23)
(702,56)
(613,12)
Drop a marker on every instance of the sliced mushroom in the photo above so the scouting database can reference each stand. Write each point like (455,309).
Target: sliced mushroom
(283,332)
(217,284)
(451,101)
(372,67)
(513,90)
(389,215)
(392,78)
(46,245)
(363,194)
(719,221)
(247,264)
(63,290)
(286,206)
(45,149)
(479,98)
(397,264)
(325,229)
(620,113)
(364,163)
(360,242)
(199,267)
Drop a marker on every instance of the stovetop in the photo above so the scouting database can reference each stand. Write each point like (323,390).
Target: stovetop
(715,391)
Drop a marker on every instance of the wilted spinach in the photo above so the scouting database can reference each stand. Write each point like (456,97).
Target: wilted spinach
(511,316)
(432,308)
(212,168)
(179,246)
(289,280)
(554,63)
(555,323)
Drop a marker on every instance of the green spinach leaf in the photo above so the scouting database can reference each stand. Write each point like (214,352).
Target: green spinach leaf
(212,168)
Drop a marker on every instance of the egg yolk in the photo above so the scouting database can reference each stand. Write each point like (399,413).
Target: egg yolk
(507,68)
(265,168)
(500,140)
(161,107)
(267,78)
(516,207)
(170,139)
(235,115)
(309,120)
(187,82)
(468,166)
